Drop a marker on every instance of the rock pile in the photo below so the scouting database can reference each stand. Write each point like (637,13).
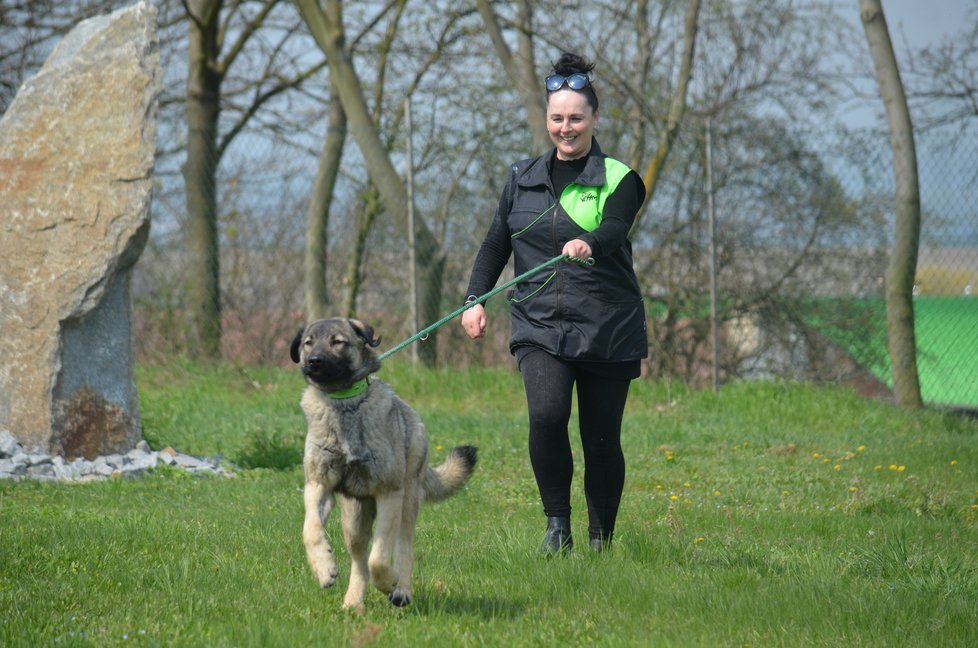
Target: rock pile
(18,463)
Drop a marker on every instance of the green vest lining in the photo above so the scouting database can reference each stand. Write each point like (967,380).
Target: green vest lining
(585,204)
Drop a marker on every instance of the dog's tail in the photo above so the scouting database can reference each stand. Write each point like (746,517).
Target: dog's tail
(443,481)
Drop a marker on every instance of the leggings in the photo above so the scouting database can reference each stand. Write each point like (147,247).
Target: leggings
(549,384)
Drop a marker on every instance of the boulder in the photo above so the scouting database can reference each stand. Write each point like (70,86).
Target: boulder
(76,156)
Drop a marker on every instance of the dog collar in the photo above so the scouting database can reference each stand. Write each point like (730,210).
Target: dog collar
(355,389)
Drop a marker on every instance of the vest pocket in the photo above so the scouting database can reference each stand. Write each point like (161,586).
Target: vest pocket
(528,289)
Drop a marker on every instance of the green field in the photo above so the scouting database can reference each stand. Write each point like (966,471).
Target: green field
(772,514)
(946,329)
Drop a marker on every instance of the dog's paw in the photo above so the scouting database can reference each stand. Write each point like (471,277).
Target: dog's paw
(326,577)
(384,578)
(399,598)
(355,607)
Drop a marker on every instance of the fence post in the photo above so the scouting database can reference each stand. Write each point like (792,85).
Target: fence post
(412,260)
(711,219)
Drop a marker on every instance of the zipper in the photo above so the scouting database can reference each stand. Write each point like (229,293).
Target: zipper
(558,276)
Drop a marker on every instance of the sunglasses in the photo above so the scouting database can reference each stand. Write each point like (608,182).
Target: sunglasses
(574,81)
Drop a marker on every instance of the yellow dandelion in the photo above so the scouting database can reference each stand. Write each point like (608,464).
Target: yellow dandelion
(893,466)
(901,468)
(860,448)
(686,484)
(837,467)
(954,462)
(674,497)
(853,489)
(700,539)
(815,455)
(717,493)
(878,467)
(786,492)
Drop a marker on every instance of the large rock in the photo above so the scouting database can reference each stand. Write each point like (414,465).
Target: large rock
(76,155)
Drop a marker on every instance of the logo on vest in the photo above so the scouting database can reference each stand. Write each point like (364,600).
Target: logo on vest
(589,197)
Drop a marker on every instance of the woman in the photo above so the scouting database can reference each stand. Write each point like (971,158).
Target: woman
(573,324)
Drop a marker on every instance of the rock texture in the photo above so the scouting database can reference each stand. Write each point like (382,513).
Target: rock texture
(18,463)
(76,155)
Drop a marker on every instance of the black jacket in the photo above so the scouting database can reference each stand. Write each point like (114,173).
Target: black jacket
(574,312)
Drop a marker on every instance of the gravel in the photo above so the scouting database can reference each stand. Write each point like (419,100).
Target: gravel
(17,462)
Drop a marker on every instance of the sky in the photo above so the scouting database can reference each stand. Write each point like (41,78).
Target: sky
(913,24)
(925,22)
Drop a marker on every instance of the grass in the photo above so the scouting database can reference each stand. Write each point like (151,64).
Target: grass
(770,514)
(947,348)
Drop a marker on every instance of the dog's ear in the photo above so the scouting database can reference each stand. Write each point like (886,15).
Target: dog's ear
(296,342)
(365,332)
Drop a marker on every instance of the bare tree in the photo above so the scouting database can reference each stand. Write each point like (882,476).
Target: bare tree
(317,217)
(217,37)
(29,30)
(520,66)
(942,80)
(906,234)
(325,23)
(677,108)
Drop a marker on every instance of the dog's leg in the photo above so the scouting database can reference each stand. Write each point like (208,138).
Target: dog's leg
(318,502)
(385,541)
(404,563)
(358,518)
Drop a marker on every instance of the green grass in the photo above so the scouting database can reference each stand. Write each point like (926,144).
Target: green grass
(946,331)
(769,515)
(947,338)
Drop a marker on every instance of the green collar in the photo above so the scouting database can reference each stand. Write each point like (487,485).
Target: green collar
(355,389)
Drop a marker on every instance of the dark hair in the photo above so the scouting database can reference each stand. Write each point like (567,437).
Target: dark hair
(568,64)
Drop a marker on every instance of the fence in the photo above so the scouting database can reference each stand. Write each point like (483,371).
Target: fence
(802,224)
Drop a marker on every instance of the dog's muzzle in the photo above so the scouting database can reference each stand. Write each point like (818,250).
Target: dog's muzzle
(321,367)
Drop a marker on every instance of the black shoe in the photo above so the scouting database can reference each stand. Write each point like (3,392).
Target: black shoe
(600,544)
(557,540)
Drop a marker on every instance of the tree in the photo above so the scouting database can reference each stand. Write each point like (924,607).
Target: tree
(29,30)
(317,217)
(520,66)
(677,108)
(906,233)
(325,23)
(942,80)
(218,35)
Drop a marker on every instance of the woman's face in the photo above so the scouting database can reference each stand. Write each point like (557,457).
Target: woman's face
(571,122)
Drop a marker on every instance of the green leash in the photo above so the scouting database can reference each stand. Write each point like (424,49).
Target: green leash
(423,333)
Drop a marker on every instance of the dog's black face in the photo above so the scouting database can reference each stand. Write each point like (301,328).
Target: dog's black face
(335,353)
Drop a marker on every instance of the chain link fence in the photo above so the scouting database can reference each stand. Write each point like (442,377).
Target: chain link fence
(801,226)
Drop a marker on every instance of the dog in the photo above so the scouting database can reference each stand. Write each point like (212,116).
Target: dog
(369,448)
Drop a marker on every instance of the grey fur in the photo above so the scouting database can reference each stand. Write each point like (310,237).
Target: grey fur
(370,450)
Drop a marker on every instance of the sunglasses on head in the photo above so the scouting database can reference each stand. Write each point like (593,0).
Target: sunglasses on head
(574,81)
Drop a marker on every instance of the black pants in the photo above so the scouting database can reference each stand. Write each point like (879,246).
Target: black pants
(549,384)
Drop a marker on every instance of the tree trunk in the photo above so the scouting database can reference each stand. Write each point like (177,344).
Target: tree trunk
(199,173)
(364,223)
(317,237)
(325,25)
(676,110)
(521,68)
(906,235)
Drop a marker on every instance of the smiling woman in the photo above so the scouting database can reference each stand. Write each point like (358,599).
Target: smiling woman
(583,327)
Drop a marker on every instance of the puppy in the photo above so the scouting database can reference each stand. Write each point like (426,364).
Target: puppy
(369,448)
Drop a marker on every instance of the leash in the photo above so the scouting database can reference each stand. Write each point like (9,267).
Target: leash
(423,333)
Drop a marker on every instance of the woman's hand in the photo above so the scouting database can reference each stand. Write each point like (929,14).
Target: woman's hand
(474,321)
(577,250)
